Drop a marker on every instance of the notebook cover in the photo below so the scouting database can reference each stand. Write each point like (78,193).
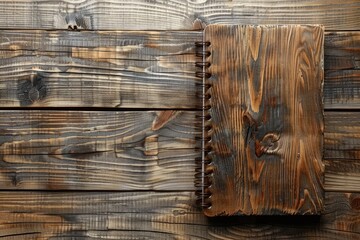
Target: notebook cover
(264,134)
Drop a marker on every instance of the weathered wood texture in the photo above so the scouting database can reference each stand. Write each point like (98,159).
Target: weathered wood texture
(266,120)
(169,215)
(97,150)
(135,69)
(98,69)
(69,150)
(342,151)
(342,135)
(148,215)
(342,70)
(342,176)
(175,14)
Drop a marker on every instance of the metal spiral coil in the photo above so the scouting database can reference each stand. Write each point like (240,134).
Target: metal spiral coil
(204,170)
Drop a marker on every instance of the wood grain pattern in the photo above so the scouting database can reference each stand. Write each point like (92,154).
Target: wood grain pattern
(135,69)
(342,151)
(98,69)
(342,176)
(342,70)
(175,14)
(99,150)
(266,119)
(96,150)
(342,138)
(152,215)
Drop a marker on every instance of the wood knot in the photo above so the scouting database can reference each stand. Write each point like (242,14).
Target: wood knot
(72,21)
(31,90)
(249,120)
(355,203)
(268,144)
(34,94)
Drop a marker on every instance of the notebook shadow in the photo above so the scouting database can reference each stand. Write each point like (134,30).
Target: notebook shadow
(267,227)
(279,220)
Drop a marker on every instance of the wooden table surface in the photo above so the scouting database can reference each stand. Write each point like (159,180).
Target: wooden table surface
(98,126)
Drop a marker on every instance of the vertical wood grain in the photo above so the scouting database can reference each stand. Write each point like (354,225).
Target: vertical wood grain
(266,118)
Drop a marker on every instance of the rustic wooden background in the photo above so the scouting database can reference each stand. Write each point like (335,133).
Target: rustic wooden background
(97,128)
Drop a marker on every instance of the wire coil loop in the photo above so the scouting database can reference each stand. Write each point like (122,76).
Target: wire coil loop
(204,169)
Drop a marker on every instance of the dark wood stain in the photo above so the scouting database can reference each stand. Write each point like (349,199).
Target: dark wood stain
(31,90)
(355,203)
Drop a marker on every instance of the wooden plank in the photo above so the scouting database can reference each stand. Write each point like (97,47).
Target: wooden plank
(266,120)
(342,139)
(342,70)
(128,69)
(139,69)
(156,215)
(97,150)
(175,14)
(342,176)
(342,151)
(94,150)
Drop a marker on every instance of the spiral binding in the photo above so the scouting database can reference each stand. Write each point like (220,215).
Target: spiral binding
(203,175)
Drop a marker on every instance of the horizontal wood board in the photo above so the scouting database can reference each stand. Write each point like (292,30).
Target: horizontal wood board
(157,215)
(342,70)
(175,14)
(97,150)
(122,69)
(141,150)
(126,69)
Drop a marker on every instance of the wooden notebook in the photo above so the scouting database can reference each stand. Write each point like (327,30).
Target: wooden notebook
(262,120)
